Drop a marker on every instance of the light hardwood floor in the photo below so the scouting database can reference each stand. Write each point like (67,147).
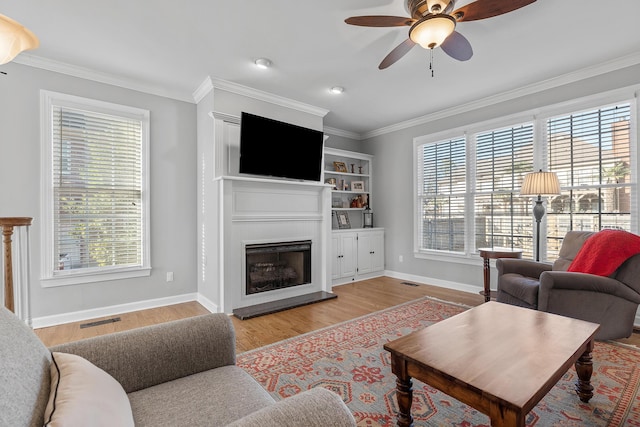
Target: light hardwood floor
(354,300)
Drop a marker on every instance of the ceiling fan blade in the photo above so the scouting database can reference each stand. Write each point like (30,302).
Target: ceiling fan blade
(458,47)
(397,53)
(481,9)
(380,21)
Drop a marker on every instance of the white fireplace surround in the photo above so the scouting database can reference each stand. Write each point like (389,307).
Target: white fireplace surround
(238,210)
(257,211)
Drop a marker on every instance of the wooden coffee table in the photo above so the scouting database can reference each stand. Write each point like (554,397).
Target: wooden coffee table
(498,358)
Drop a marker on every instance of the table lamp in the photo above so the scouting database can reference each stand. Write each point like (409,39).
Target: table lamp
(539,184)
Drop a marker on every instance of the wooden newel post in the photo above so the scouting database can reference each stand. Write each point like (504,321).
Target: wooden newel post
(7,225)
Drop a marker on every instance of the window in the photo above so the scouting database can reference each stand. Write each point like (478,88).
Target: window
(442,195)
(591,153)
(468,186)
(96,188)
(503,157)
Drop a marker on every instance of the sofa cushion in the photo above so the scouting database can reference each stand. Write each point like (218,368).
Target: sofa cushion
(84,395)
(215,397)
(24,378)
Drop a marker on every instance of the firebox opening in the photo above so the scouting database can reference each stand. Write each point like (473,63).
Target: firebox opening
(271,266)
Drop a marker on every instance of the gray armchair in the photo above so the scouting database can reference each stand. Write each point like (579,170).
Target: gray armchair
(180,373)
(610,301)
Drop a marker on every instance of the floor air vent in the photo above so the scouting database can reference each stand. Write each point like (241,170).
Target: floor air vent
(99,322)
(409,284)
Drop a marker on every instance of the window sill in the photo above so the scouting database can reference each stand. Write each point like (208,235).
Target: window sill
(451,257)
(93,277)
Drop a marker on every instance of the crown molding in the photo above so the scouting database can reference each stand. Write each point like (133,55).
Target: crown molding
(229,118)
(267,97)
(201,91)
(100,77)
(342,133)
(572,77)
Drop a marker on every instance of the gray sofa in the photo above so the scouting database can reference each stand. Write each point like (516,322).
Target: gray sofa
(610,301)
(180,373)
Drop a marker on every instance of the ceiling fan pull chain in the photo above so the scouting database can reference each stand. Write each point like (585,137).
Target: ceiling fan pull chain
(431,61)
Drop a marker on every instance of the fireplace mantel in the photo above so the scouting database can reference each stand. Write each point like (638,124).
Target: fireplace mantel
(252,211)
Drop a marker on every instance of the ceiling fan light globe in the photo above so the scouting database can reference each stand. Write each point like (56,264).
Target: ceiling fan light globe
(432,30)
(14,38)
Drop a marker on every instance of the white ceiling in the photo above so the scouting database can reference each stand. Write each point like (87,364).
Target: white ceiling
(176,45)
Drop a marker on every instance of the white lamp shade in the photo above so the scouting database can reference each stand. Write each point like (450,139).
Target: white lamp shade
(540,184)
(14,38)
(432,30)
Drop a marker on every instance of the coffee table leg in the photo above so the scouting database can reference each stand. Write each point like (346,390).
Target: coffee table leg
(584,369)
(405,398)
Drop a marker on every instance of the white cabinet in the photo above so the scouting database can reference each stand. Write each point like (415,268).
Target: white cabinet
(370,252)
(344,255)
(356,255)
(349,174)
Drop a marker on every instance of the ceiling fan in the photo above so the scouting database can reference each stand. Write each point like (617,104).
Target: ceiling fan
(433,24)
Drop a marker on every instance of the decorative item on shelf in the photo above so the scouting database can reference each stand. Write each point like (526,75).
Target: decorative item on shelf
(367,217)
(352,168)
(332,182)
(343,219)
(356,202)
(336,202)
(360,170)
(539,184)
(357,186)
(340,166)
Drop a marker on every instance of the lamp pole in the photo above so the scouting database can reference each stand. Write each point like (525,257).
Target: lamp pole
(538,213)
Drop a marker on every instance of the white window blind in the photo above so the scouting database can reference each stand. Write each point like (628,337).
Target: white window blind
(95,191)
(442,195)
(591,153)
(97,181)
(502,217)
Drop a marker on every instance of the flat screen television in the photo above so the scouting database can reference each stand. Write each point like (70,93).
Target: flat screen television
(273,148)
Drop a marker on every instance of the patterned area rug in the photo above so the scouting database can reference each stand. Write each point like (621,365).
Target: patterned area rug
(348,358)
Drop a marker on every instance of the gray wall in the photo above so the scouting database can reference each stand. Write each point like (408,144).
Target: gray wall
(173,187)
(393,168)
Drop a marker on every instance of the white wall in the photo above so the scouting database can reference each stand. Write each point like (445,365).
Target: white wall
(173,189)
(393,161)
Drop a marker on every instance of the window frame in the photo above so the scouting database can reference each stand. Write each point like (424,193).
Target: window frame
(48,275)
(539,119)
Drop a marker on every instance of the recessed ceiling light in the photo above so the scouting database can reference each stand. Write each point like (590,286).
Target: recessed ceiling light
(262,63)
(337,90)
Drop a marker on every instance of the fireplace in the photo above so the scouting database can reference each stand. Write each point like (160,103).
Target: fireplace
(271,266)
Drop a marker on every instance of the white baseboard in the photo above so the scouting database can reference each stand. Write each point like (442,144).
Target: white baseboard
(435,282)
(77,316)
(207,303)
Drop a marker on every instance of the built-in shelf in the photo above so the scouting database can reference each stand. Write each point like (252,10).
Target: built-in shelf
(343,170)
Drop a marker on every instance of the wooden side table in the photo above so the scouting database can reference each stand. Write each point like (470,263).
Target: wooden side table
(494,253)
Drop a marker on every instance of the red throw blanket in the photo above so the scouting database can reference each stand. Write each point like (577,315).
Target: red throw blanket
(605,251)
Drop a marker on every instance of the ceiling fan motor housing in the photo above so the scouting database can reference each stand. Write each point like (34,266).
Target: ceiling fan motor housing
(421,8)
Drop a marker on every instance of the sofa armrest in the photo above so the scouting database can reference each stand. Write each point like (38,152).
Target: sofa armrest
(571,281)
(143,357)
(524,267)
(317,407)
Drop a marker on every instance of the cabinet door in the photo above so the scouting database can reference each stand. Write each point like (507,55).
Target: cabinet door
(348,243)
(364,253)
(377,249)
(335,257)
